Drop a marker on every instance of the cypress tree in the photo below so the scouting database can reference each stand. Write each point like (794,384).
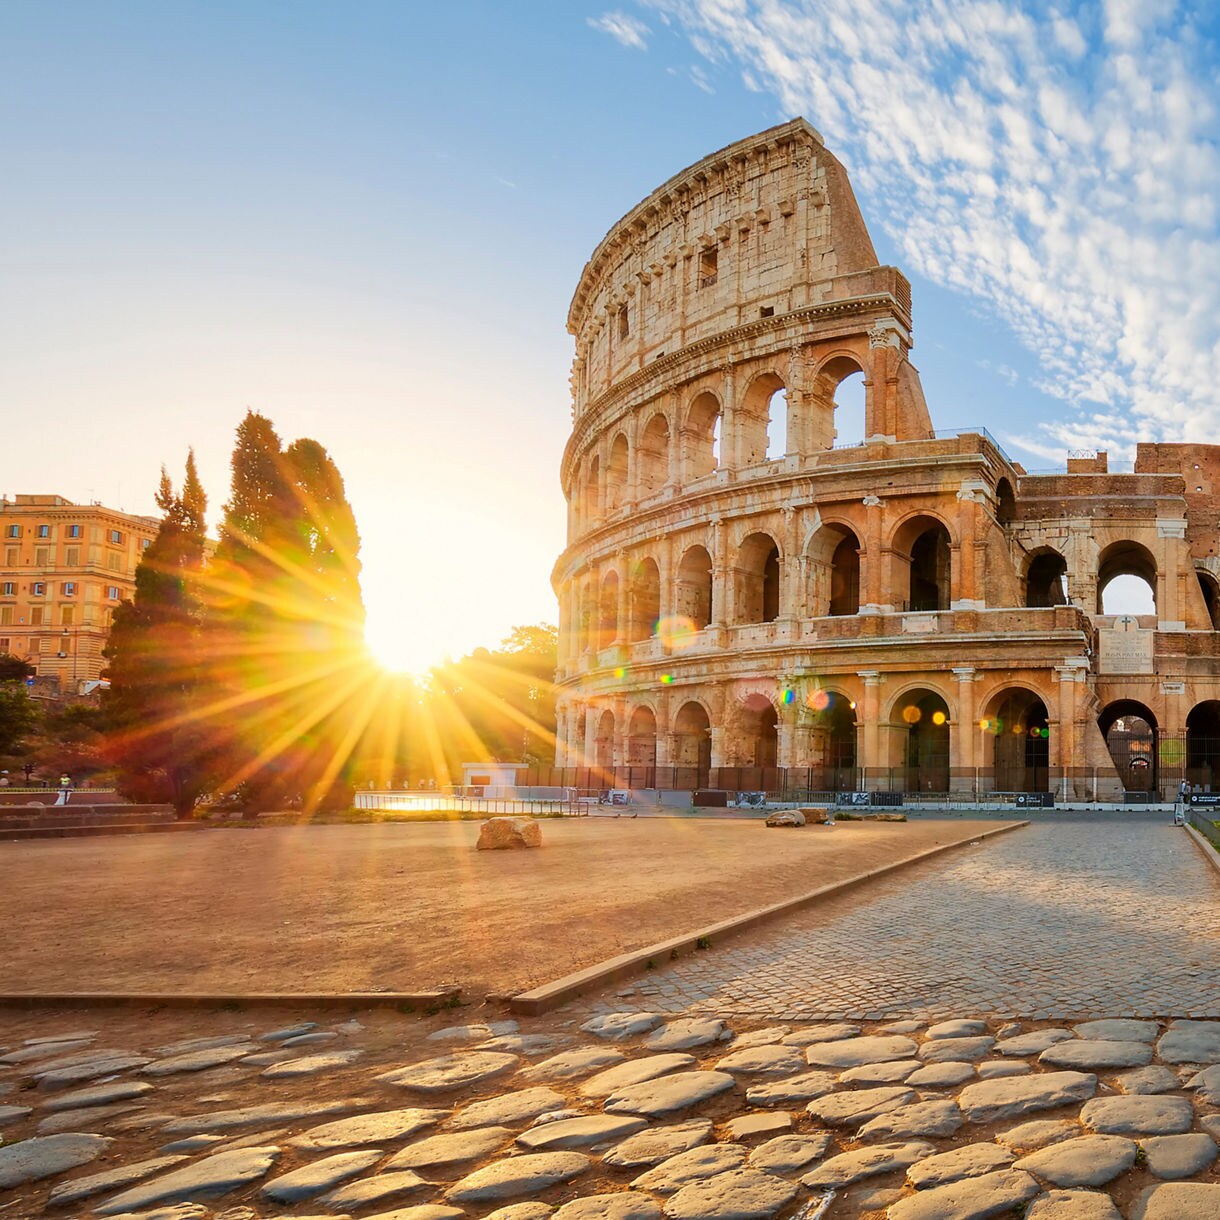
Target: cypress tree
(156,738)
(285,625)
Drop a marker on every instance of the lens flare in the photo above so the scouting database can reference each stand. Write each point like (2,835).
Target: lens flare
(818,699)
(676,632)
(667,679)
(939,718)
(788,695)
(620,672)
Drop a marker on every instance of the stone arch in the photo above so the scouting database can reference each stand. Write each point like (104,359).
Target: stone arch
(652,455)
(829,422)
(757,579)
(1018,723)
(603,741)
(617,473)
(830,717)
(833,552)
(1203,745)
(1134,564)
(692,731)
(1046,579)
(642,737)
(758,732)
(1210,589)
(591,502)
(921,717)
(762,420)
(607,611)
(1005,502)
(695,586)
(645,599)
(1131,733)
(701,437)
(922,552)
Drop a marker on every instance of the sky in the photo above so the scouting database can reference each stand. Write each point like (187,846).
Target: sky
(366,221)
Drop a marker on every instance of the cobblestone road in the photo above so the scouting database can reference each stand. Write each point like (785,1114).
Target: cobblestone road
(1069,918)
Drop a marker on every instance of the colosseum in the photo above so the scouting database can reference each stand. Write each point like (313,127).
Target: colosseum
(749,602)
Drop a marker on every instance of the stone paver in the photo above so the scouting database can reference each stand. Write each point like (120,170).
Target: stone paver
(1082,895)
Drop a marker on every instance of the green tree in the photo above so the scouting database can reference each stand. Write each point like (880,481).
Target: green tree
(157,738)
(14,669)
(18,718)
(285,626)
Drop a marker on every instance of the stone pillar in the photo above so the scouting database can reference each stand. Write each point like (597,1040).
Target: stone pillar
(721,590)
(623,633)
(674,415)
(1067,738)
(873,580)
(730,427)
(870,763)
(965,764)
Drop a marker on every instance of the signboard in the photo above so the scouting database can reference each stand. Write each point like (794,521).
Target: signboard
(1126,648)
(1207,799)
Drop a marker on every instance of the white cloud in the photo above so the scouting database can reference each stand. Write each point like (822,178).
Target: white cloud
(1060,169)
(624,28)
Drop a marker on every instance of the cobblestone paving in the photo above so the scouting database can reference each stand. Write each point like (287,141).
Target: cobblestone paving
(1071,917)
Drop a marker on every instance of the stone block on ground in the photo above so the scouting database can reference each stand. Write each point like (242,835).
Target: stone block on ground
(990,1194)
(692,1166)
(1073,1205)
(855,1166)
(657,1144)
(45,1155)
(513,1177)
(968,1161)
(624,1205)
(205,1179)
(1138,1115)
(786,817)
(1178,1156)
(1178,1201)
(740,1194)
(1088,1160)
(497,834)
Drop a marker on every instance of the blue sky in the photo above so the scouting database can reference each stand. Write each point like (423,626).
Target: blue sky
(366,220)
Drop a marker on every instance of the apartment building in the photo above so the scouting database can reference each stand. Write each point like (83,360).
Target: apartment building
(64,567)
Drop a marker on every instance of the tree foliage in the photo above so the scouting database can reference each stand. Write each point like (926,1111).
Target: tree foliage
(18,717)
(157,740)
(285,627)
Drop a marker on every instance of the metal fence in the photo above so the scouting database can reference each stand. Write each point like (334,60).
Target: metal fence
(570,804)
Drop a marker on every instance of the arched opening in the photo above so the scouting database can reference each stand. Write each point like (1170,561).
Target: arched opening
(834,572)
(1021,754)
(642,738)
(760,731)
(1005,502)
(607,623)
(593,478)
(833,740)
(1211,597)
(1126,580)
(652,454)
(762,421)
(849,411)
(1203,745)
(693,740)
(695,587)
(701,438)
(1046,580)
(777,425)
(924,717)
(645,600)
(758,580)
(616,474)
(923,546)
(603,743)
(1130,730)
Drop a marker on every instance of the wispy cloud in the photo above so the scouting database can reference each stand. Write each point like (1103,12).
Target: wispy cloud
(624,28)
(1061,168)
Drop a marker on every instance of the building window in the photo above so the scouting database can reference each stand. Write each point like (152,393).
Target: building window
(38,589)
(73,531)
(116,537)
(112,592)
(42,556)
(44,531)
(72,556)
(68,616)
(6,616)
(69,588)
(10,556)
(145,544)
(5,643)
(36,616)
(14,531)
(624,323)
(113,560)
(707,267)
(9,589)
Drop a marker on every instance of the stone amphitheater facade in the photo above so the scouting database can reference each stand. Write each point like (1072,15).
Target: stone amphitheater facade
(913,612)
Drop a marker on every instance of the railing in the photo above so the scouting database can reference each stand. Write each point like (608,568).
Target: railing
(571,804)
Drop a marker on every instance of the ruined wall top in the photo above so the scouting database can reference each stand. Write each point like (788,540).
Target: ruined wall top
(763,227)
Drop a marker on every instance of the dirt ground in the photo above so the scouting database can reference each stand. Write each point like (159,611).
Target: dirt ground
(399,907)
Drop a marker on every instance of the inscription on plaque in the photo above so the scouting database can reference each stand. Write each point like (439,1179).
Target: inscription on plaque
(1126,648)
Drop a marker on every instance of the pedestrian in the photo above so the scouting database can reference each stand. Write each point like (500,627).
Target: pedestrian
(1179,806)
(65,789)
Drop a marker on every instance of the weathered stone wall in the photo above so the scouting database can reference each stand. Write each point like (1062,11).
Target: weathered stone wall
(893,602)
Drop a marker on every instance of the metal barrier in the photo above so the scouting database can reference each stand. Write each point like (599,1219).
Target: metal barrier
(573,804)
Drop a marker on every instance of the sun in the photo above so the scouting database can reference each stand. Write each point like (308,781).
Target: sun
(397,650)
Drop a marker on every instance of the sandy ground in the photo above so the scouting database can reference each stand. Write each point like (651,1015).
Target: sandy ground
(398,907)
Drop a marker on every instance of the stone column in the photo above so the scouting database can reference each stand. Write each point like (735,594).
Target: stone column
(624,599)
(721,591)
(673,414)
(873,580)
(871,764)
(964,761)
(1067,747)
